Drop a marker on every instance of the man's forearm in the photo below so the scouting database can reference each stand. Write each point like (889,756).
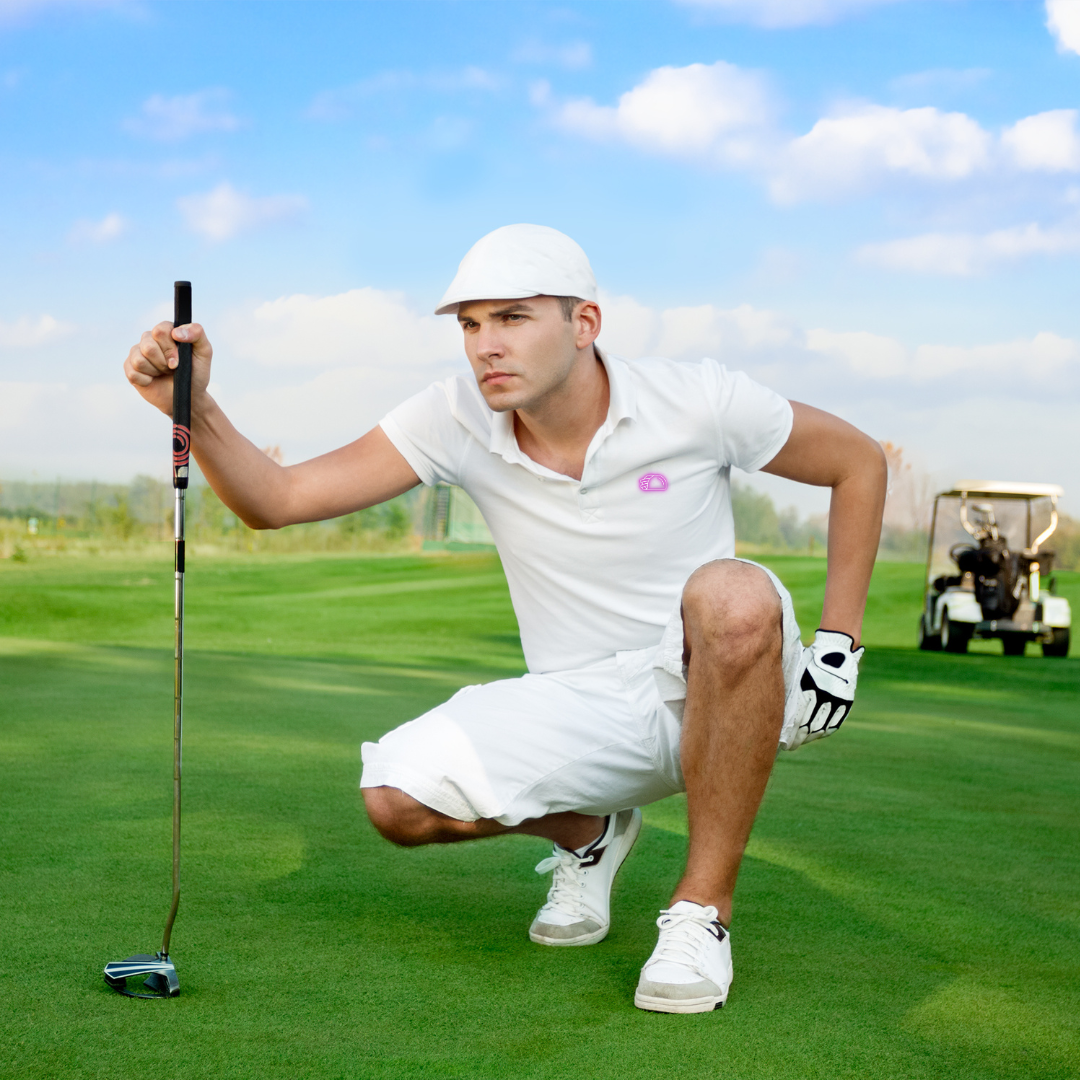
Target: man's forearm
(260,492)
(265,495)
(828,452)
(250,484)
(854,531)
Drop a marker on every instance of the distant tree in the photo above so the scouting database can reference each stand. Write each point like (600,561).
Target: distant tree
(1065,543)
(910,493)
(756,520)
(120,517)
(397,521)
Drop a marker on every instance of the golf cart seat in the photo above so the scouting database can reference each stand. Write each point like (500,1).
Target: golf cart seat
(948,582)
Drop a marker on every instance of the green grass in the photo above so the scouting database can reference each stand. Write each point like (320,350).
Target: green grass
(908,906)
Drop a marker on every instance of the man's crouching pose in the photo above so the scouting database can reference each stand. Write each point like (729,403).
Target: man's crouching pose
(658,662)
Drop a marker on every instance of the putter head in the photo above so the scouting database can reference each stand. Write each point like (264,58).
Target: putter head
(157,972)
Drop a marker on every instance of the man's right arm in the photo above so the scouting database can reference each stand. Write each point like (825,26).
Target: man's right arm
(263,494)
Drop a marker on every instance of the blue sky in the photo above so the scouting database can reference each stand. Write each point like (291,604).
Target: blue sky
(871,206)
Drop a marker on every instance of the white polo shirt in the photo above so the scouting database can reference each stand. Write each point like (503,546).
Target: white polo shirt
(596,566)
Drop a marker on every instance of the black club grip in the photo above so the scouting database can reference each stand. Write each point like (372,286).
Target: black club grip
(181,388)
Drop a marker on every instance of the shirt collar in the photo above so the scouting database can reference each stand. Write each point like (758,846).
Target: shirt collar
(622,405)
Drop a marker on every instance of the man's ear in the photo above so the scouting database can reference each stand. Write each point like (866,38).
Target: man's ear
(588,321)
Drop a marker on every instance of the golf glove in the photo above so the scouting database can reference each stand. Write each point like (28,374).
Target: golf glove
(824,689)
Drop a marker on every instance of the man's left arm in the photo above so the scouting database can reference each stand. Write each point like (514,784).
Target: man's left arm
(825,451)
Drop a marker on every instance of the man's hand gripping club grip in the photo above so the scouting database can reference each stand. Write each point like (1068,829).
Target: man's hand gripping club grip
(181,387)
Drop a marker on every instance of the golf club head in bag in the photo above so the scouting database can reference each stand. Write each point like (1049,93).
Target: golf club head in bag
(157,972)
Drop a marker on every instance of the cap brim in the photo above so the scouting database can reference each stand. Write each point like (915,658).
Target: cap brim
(451,303)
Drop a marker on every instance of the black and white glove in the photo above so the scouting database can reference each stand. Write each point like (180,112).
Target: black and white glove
(824,689)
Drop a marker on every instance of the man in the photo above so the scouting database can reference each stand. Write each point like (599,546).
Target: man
(657,661)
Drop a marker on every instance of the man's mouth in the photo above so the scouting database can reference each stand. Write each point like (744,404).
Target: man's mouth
(497,378)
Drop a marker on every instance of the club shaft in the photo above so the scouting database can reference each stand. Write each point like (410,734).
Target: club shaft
(181,450)
(178,706)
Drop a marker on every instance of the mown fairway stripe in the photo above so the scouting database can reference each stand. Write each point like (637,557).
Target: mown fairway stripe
(382,588)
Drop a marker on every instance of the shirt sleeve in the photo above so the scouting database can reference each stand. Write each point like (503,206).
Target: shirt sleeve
(753,422)
(426,434)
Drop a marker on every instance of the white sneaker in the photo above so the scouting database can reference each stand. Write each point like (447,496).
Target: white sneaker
(577,911)
(690,968)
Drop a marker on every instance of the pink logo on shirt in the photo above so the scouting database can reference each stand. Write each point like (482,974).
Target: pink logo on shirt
(653,481)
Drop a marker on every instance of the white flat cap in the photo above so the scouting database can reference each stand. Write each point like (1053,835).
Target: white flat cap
(518,261)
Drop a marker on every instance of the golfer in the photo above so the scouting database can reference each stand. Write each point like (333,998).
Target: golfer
(658,662)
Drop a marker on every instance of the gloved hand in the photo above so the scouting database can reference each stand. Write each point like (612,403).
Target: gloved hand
(824,689)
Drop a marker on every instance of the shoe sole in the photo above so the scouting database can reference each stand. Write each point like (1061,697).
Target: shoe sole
(585,939)
(667,1005)
(629,838)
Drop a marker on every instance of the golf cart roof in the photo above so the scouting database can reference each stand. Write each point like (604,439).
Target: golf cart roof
(1003,489)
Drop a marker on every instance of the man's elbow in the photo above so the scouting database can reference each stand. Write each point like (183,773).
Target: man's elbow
(261,523)
(878,462)
(876,467)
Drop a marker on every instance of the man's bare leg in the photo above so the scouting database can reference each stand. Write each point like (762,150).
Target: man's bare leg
(577,911)
(403,820)
(731,722)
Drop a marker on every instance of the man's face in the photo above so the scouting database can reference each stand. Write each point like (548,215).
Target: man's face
(520,350)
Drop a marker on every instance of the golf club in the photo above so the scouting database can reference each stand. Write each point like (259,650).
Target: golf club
(158,971)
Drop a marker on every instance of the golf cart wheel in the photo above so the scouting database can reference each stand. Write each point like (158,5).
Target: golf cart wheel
(927,642)
(1059,646)
(1013,644)
(954,636)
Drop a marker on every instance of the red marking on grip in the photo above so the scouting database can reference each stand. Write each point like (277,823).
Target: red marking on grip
(181,441)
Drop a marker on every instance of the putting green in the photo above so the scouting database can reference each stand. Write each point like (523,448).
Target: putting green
(908,906)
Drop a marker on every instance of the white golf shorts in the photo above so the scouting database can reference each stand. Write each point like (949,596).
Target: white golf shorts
(596,740)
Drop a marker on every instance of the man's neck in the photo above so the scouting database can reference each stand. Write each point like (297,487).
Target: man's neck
(556,433)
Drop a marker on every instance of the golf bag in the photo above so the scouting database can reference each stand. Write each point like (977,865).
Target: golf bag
(997,573)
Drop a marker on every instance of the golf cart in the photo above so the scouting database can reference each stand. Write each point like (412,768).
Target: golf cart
(978,585)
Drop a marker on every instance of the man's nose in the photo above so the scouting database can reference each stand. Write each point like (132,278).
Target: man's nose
(489,343)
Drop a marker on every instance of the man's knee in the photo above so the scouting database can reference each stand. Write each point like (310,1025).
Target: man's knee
(399,818)
(734,607)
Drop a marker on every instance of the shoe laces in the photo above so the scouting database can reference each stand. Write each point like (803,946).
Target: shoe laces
(568,880)
(681,937)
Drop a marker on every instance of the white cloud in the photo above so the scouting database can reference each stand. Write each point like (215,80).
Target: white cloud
(310,373)
(1063,21)
(14,11)
(938,80)
(447,133)
(224,212)
(865,354)
(633,329)
(176,118)
(722,115)
(17,399)
(108,228)
(363,327)
(27,333)
(714,111)
(781,14)
(101,430)
(877,357)
(1046,142)
(846,151)
(573,55)
(364,352)
(777,350)
(963,254)
(1044,355)
(343,102)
